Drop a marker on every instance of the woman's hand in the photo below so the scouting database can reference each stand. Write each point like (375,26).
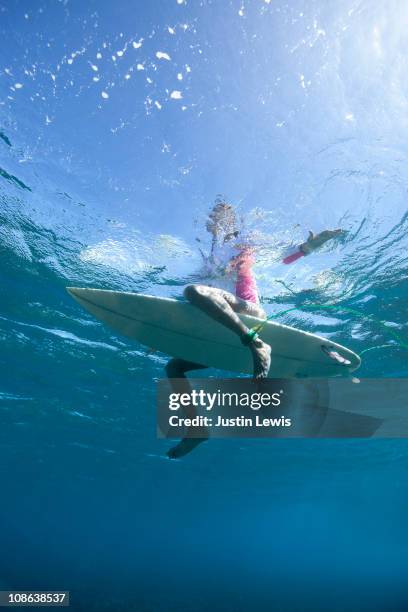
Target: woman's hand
(315,241)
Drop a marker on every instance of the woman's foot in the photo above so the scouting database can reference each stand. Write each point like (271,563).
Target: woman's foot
(184,447)
(261,354)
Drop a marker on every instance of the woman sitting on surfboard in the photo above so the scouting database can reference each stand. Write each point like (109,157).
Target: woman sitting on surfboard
(229,266)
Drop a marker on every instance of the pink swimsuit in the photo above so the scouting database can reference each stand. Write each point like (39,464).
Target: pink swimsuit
(245,286)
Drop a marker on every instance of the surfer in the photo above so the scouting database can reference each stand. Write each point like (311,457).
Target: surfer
(229,266)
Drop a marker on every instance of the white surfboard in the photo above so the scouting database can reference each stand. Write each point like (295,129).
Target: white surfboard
(182,330)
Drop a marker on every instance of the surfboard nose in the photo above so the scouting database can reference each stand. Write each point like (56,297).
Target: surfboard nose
(77,292)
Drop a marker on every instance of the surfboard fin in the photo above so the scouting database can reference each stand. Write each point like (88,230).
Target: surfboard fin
(330,352)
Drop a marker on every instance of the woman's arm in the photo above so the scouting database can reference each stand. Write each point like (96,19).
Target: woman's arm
(312,243)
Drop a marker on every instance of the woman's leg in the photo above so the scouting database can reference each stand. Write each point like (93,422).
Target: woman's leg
(223,307)
(176,371)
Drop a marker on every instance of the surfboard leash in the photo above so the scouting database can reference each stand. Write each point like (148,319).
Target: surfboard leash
(400,342)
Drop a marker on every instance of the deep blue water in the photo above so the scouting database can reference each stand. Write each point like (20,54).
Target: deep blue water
(119,125)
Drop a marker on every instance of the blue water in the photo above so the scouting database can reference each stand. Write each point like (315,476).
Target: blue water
(119,125)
